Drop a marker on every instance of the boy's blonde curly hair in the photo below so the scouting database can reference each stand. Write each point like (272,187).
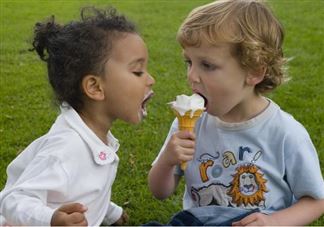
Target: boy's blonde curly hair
(249,25)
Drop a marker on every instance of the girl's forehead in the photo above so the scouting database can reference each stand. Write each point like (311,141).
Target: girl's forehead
(128,46)
(129,51)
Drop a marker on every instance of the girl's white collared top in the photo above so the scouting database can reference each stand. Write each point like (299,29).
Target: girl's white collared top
(69,164)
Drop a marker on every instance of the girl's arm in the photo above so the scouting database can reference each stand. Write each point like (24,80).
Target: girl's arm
(24,203)
(115,215)
(303,212)
(162,180)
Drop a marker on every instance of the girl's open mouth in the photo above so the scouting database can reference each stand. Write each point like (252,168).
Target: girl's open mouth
(147,97)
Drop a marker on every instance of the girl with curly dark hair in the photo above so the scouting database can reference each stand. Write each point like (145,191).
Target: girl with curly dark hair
(97,68)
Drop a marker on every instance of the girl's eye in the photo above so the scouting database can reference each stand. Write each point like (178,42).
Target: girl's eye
(188,63)
(138,73)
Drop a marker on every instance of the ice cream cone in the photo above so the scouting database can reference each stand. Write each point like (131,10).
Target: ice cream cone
(187,122)
(188,109)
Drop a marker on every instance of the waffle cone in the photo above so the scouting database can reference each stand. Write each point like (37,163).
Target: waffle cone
(187,122)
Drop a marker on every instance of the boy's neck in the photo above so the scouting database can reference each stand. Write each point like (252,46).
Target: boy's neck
(246,110)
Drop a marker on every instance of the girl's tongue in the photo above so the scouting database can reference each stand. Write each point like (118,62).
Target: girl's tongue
(147,97)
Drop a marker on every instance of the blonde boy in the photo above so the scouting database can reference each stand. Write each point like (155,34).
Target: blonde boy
(250,163)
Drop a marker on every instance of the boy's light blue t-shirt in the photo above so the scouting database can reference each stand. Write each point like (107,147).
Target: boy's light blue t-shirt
(267,163)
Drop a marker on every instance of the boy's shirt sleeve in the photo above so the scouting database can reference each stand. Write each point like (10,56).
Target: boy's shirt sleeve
(303,171)
(24,203)
(114,212)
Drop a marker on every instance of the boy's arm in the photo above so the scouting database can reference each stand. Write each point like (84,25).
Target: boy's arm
(162,178)
(303,212)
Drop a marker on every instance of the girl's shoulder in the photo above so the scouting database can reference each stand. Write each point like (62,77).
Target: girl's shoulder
(61,144)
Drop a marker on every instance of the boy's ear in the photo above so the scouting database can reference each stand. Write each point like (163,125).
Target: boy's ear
(256,76)
(92,87)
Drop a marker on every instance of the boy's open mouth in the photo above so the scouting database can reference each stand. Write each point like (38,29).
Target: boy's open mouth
(205,99)
(147,97)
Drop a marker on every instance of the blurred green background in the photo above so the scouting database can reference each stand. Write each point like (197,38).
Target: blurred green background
(25,96)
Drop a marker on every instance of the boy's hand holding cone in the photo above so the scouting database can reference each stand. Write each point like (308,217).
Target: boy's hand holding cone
(188,109)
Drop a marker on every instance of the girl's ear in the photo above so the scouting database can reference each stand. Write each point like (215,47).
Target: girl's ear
(256,76)
(92,87)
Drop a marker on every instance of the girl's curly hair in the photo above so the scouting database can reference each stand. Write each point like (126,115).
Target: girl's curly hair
(77,49)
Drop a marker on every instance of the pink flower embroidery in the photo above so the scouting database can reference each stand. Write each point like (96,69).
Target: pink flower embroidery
(102,155)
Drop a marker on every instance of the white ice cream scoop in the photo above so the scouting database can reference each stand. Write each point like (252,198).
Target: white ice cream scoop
(185,103)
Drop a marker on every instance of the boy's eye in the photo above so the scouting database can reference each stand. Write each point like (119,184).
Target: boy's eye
(138,73)
(208,66)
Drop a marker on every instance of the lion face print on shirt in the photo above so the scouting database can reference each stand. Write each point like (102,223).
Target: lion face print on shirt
(244,185)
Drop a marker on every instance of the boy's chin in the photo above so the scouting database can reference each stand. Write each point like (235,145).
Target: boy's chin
(213,113)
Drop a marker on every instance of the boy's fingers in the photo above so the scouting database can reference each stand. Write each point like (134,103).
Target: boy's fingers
(188,152)
(186,135)
(187,155)
(187,143)
(73,207)
(186,158)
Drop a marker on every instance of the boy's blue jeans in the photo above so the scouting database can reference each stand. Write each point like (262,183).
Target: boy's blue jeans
(206,216)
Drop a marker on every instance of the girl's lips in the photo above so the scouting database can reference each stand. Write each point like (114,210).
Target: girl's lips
(147,97)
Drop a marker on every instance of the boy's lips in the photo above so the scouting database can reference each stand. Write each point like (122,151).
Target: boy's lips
(147,97)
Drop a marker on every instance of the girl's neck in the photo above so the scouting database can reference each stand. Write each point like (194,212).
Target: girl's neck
(246,109)
(99,124)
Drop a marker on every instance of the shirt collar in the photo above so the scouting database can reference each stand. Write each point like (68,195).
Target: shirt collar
(102,153)
(261,117)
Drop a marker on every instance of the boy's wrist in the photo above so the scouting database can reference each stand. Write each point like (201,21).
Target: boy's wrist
(165,163)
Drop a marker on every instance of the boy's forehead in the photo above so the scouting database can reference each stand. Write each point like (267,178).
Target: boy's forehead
(205,49)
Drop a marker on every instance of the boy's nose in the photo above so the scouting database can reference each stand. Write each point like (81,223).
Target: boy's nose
(193,76)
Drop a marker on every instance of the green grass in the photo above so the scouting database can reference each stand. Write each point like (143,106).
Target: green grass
(27,112)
